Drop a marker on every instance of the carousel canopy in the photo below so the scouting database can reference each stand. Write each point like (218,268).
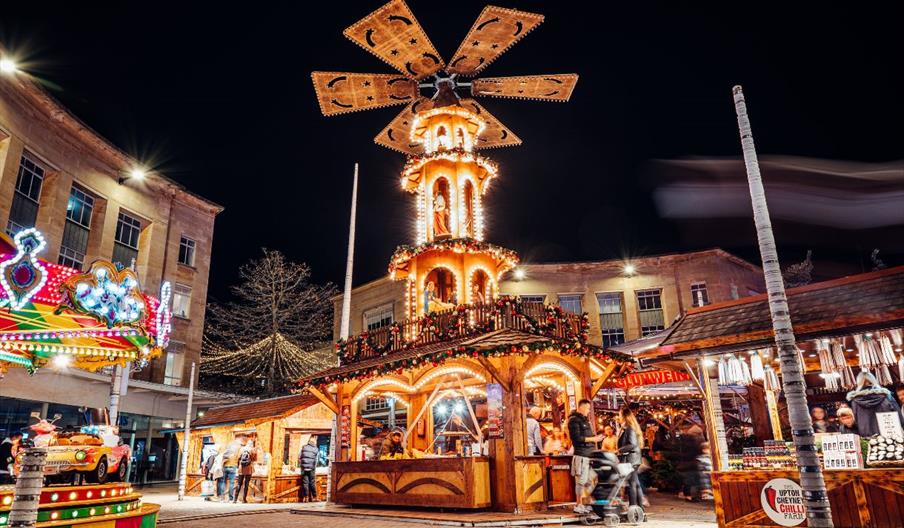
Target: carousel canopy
(89,320)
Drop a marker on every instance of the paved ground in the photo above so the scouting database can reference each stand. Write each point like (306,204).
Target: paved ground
(667,511)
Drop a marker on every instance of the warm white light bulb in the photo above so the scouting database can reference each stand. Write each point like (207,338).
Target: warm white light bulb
(519,274)
(8,66)
(138,174)
(61,361)
(630,269)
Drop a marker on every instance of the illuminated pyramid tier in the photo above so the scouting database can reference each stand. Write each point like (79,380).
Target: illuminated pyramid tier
(450,263)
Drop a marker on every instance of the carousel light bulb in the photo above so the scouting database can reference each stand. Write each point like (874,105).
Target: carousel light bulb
(62,362)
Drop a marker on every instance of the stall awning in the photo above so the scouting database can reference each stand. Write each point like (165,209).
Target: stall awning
(858,303)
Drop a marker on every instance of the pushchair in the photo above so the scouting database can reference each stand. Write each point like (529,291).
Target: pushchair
(608,507)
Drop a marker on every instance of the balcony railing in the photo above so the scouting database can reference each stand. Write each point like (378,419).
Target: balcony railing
(465,321)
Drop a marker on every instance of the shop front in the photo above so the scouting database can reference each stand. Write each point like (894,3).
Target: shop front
(278,428)
(465,383)
(850,336)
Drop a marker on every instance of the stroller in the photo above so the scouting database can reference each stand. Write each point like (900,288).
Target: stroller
(607,504)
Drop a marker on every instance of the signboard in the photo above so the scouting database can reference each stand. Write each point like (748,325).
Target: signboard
(841,451)
(345,427)
(494,411)
(889,424)
(783,502)
(652,377)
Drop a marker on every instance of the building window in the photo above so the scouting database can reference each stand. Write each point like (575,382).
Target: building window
(612,318)
(186,251)
(571,303)
(376,403)
(699,296)
(378,317)
(24,208)
(78,226)
(181,300)
(532,298)
(649,306)
(175,361)
(125,245)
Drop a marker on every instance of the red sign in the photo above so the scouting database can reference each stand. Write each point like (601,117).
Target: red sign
(652,377)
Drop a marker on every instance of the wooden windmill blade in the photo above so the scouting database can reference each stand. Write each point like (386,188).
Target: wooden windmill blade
(556,87)
(495,135)
(343,92)
(495,30)
(396,135)
(395,36)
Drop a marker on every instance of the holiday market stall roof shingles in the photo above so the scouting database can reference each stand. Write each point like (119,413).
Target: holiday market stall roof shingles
(256,410)
(858,303)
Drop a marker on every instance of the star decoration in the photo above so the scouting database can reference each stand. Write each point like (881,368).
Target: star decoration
(370,98)
(394,52)
(366,83)
(494,46)
(476,43)
(413,41)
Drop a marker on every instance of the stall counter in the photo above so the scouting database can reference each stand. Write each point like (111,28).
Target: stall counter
(451,482)
(859,497)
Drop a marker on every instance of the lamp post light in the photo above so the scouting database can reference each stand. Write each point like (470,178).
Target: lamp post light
(137,174)
(8,66)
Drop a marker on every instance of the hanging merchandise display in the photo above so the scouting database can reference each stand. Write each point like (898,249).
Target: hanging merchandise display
(770,381)
(733,371)
(756,366)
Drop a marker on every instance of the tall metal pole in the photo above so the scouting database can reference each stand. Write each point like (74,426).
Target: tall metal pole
(819,513)
(346,314)
(118,389)
(183,469)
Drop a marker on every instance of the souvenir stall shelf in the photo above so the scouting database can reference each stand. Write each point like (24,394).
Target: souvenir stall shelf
(279,428)
(53,316)
(849,332)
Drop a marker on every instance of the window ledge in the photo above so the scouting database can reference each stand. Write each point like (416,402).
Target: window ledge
(189,266)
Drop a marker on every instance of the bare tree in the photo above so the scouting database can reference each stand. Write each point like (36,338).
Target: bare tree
(819,513)
(799,274)
(275,332)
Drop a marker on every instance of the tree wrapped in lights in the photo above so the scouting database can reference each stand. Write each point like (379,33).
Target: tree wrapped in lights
(276,331)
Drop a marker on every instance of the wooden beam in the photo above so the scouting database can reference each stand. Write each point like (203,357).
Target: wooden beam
(494,372)
(324,399)
(696,381)
(604,377)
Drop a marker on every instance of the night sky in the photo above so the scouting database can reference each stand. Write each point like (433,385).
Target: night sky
(219,98)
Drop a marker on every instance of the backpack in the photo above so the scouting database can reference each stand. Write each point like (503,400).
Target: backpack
(245,458)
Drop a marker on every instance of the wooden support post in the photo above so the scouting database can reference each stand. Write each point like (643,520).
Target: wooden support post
(774,418)
(715,424)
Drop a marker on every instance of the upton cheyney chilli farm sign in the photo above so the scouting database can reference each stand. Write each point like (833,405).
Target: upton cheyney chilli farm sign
(651,377)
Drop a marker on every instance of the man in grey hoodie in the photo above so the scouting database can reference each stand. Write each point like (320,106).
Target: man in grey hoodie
(307,460)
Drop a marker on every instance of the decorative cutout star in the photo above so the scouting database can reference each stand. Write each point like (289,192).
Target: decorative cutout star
(366,83)
(413,41)
(494,46)
(476,43)
(394,52)
(370,98)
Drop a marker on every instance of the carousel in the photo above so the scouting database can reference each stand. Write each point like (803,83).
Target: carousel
(463,369)
(53,316)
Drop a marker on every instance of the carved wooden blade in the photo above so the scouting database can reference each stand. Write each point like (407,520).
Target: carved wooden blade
(557,87)
(495,135)
(496,30)
(397,132)
(342,92)
(394,35)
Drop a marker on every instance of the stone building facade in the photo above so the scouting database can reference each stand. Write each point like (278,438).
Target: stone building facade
(625,299)
(78,189)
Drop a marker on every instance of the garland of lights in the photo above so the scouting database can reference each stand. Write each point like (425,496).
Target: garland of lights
(416,162)
(404,253)
(458,326)
(438,358)
(22,276)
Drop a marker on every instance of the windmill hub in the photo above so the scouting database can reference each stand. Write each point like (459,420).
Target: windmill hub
(445,86)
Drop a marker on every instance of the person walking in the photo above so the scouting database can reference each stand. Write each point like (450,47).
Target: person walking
(534,438)
(231,467)
(630,443)
(307,460)
(584,442)
(247,458)
(216,474)
(8,450)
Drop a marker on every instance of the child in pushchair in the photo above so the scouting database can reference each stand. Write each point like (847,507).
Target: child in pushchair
(607,504)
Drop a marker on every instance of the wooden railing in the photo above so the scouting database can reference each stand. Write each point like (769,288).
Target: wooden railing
(463,321)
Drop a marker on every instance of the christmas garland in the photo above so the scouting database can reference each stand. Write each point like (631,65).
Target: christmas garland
(416,162)
(458,326)
(438,358)
(405,253)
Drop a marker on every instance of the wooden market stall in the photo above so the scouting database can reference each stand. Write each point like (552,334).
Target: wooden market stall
(279,428)
(844,327)
(446,371)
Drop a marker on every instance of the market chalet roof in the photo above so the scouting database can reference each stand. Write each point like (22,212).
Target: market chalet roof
(857,303)
(256,410)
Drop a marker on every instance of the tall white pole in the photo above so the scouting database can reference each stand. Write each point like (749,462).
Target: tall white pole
(118,389)
(819,513)
(183,470)
(346,313)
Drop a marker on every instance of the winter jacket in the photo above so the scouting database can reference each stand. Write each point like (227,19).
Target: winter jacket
(6,455)
(629,447)
(216,471)
(579,430)
(307,459)
(247,469)
(866,403)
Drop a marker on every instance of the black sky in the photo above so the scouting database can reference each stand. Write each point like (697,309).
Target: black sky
(219,97)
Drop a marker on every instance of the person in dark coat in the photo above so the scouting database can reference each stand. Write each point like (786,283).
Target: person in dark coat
(868,399)
(630,443)
(307,460)
(8,450)
(846,423)
(584,442)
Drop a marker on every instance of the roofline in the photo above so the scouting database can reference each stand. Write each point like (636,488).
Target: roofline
(716,251)
(56,111)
